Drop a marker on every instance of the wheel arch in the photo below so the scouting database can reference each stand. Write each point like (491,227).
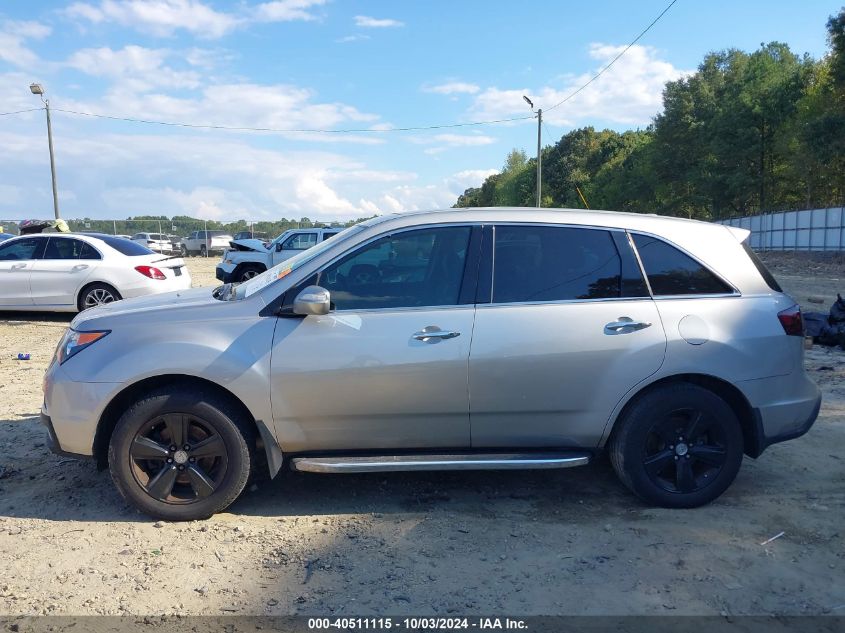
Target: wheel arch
(746,414)
(266,442)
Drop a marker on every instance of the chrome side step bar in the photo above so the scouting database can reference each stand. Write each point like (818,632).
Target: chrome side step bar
(492,461)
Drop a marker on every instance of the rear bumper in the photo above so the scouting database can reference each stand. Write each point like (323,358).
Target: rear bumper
(157,286)
(784,408)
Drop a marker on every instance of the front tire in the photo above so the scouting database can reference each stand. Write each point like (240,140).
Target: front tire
(678,446)
(181,454)
(249,271)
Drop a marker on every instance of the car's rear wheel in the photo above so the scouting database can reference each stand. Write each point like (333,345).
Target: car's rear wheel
(249,271)
(181,454)
(97,295)
(203,251)
(184,250)
(678,446)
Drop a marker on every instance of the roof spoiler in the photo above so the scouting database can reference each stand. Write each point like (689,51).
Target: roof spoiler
(740,234)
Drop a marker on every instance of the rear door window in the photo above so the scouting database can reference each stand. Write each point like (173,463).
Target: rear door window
(68,248)
(672,272)
(550,263)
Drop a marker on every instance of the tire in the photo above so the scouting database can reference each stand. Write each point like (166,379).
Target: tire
(96,295)
(186,488)
(183,250)
(653,454)
(203,251)
(249,271)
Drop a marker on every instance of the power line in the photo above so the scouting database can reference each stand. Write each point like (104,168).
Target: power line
(293,130)
(615,59)
(19,111)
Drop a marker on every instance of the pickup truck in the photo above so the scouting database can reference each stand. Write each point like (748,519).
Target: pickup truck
(204,242)
(248,258)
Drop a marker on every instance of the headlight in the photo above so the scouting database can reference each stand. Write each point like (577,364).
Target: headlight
(74,342)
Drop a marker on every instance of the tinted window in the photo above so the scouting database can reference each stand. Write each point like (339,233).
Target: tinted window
(671,272)
(410,269)
(67,248)
(761,268)
(20,249)
(301,241)
(542,263)
(139,236)
(126,247)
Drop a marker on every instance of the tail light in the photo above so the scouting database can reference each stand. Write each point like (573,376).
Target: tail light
(150,271)
(791,321)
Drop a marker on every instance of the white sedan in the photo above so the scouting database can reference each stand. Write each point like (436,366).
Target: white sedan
(69,272)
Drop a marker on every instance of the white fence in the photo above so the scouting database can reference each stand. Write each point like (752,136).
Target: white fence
(808,230)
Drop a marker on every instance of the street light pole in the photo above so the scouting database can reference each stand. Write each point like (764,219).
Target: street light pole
(37,89)
(539,150)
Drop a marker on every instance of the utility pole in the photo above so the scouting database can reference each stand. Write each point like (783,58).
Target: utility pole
(539,150)
(37,89)
(539,158)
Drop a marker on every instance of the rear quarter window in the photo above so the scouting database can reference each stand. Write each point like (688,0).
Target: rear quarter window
(124,246)
(761,268)
(672,272)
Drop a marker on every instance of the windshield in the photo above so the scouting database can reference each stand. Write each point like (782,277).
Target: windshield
(289,265)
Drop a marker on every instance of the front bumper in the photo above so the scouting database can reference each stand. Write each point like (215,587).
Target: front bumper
(53,441)
(226,276)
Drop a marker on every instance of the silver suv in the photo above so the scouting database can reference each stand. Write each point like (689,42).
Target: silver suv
(458,339)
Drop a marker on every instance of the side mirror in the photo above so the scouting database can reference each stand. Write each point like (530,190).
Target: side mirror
(312,300)
(278,247)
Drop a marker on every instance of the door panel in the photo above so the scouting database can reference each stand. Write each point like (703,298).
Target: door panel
(61,273)
(360,380)
(16,260)
(569,330)
(550,375)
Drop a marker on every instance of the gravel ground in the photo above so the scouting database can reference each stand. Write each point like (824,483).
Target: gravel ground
(535,542)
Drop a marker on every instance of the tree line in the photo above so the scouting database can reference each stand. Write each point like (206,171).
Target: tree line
(747,133)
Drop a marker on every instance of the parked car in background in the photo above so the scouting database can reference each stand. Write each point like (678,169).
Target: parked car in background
(204,242)
(5,236)
(157,242)
(250,257)
(459,339)
(251,235)
(68,272)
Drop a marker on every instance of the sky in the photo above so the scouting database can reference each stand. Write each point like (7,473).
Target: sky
(331,65)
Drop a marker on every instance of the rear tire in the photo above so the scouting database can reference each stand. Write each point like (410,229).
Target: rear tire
(184,250)
(96,295)
(678,446)
(249,271)
(203,251)
(182,454)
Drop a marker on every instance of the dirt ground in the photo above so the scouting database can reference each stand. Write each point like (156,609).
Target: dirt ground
(535,542)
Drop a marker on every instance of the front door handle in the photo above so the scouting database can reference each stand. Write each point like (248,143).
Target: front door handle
(624,325)
(433,334)
(18,266)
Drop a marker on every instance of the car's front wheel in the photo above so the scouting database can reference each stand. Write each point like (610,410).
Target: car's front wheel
(182,454)
(249,271)
(678,446)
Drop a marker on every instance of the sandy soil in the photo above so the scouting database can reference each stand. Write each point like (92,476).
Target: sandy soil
(543,542)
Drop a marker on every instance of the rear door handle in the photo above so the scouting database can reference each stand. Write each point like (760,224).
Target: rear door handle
(433,334)
(624,325)
(79,267)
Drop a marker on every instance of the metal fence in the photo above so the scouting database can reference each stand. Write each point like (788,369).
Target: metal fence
(808,230)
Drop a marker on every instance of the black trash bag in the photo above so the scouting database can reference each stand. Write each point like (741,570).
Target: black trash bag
(837,310)
(815,323)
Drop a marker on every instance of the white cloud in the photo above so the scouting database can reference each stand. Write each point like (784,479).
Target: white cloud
(439,195)
(163,18)
(158,17)
(287,10)
(629,93)
(137,68)
(13,34)
(442,142)
(452,87)
(352,38)
(366,21)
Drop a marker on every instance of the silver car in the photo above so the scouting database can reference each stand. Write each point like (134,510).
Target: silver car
(456,339)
